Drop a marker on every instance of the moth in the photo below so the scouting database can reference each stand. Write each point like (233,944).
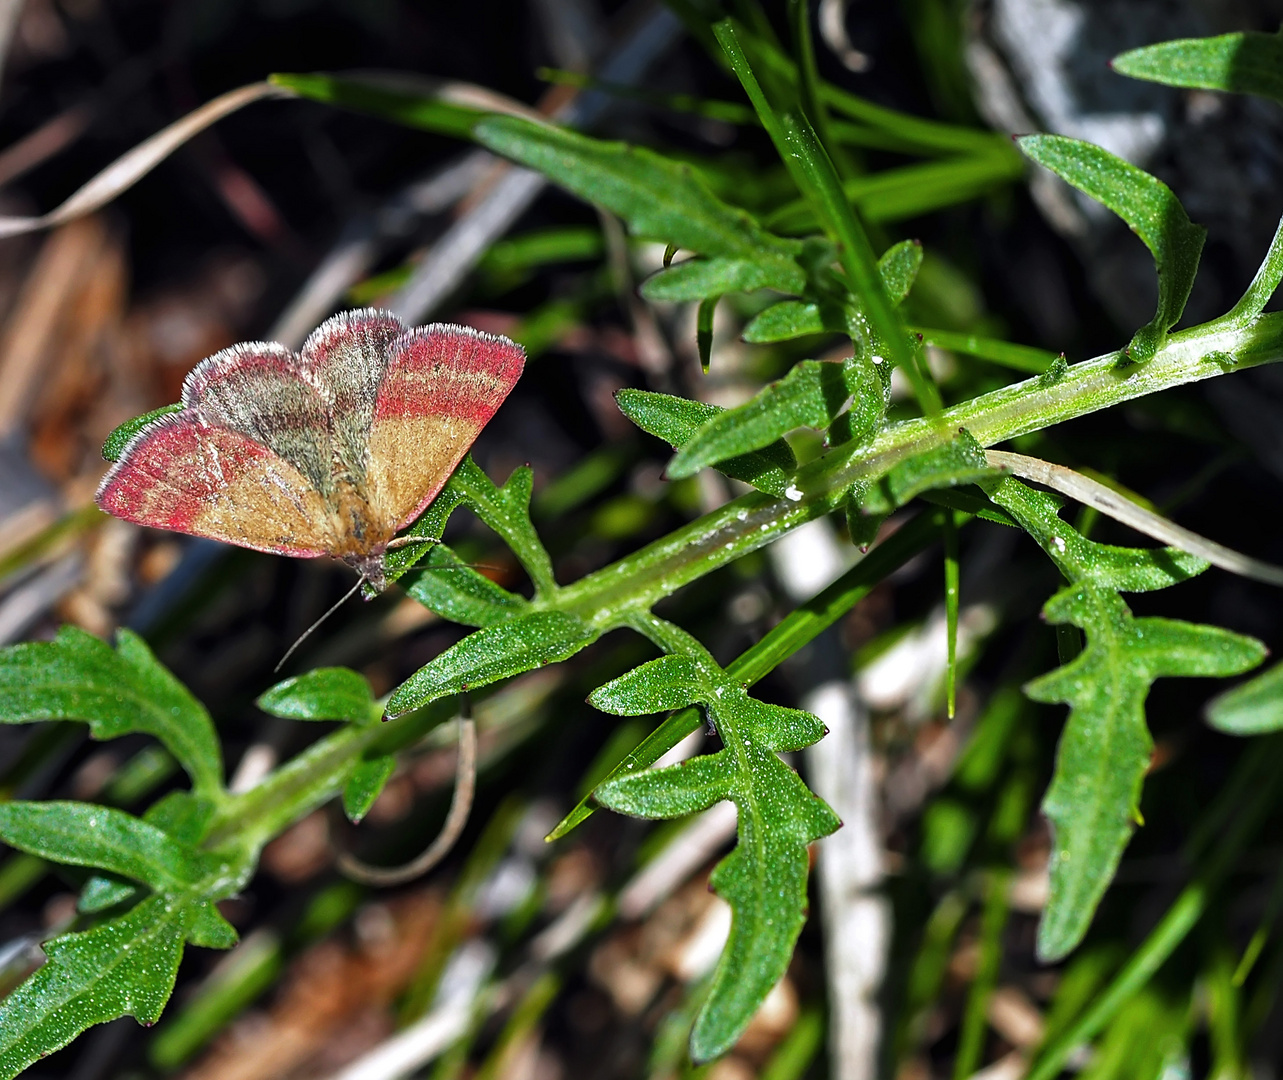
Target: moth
(328,451)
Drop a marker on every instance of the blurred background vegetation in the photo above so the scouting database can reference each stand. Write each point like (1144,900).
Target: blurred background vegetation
(290,209)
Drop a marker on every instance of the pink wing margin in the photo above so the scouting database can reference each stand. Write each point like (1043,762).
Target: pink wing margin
(442,385)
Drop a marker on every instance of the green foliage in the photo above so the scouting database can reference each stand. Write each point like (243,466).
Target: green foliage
(457,592)
(366,784)
(1252,708)
(675,420)
(764,878)
(402,101)
(1149,208)
(813,394)
(659,199)
(957,462)
(816,178)
(155,878)
(322,694)
(118,692)
(698,278)
(119,438)
(495,652)
(1244,63)
(1093,801)
(125,965)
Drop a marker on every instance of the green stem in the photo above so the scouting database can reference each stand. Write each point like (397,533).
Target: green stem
(611,597)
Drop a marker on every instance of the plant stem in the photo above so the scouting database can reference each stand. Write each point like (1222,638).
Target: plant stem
(613,596)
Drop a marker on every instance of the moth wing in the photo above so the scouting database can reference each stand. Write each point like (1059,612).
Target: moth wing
(261,391)
(186,474)
(442,385)
(346,358)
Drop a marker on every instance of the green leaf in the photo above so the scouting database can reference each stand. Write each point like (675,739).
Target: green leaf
(764,878)
(124,967)
(81,834)
(430,524)
(389,98)
(366,784)
(1148,206)
(898,267)
(791,319)
(1017,357)
(658,198)
(1254,708)
(182,815)
(1105,748)
(696,279)
(667,683)
(960,461)
(676,419)
(812,394)
(117,692)
(335,693)
(910,191)
(781,641)
(1244,63)
(102,892)
(457,592)
(209,929)
(119,438)
(507,511)
(493,653)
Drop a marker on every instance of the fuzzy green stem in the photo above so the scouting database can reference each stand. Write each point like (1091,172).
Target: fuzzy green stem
(614,596)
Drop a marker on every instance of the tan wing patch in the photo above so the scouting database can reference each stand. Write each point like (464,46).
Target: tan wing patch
(411,458)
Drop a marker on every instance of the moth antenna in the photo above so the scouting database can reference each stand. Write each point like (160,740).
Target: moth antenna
(465,785)
(308,632)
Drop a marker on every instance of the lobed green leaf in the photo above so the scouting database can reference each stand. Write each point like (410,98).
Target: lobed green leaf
(430,525)
(492,653)
(117,692)
(957,462)
(335,693)
(1148,206)
(670,682)
(1105,749)
(1243,63)
(764,878)
(125,967)
(507,511)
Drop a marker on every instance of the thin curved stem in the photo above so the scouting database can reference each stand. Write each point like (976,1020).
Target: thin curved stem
(465,785)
